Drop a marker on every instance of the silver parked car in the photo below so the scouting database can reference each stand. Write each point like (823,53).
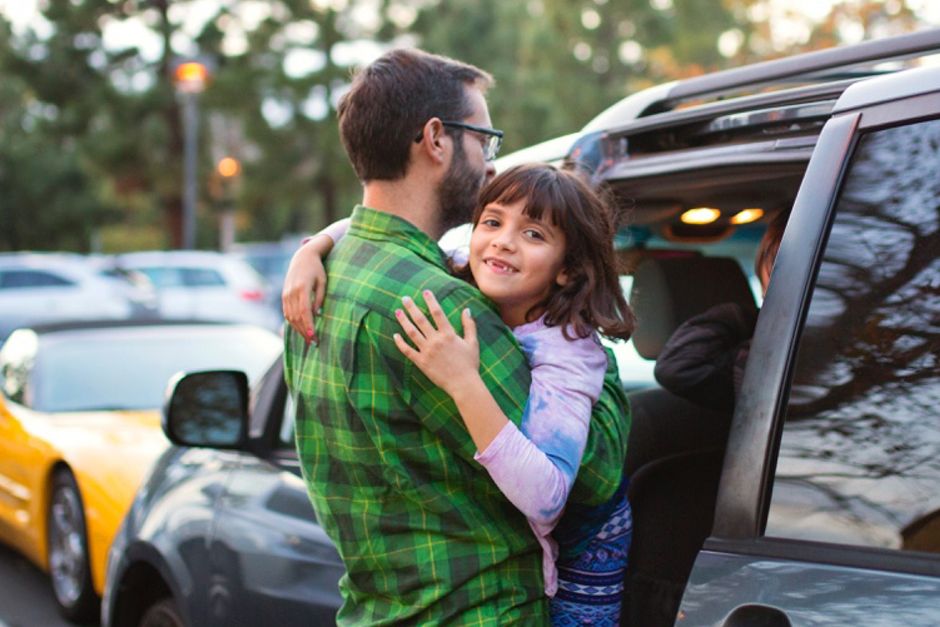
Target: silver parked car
(204,285)
(38,288)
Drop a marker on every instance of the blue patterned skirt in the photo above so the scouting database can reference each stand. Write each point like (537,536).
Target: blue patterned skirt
(591,584)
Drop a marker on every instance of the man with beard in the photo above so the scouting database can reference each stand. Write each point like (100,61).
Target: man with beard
(424,533)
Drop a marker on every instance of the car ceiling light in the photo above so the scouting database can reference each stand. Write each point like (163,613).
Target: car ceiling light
(700,215)
(747,215)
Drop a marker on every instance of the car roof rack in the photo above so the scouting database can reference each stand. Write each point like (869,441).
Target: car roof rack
(819,66)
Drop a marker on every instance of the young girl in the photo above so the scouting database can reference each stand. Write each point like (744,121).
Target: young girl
(542,251)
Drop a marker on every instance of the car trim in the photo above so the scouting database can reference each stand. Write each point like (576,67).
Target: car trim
(808,66)
(743,493)
(915,108)
(869,558)
(671,163)
(827,92)
(890,88)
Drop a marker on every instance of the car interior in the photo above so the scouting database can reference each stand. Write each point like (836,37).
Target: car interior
(676,448)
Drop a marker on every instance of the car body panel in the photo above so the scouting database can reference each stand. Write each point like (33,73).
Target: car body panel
(807,593)
(281,565)
(34,444)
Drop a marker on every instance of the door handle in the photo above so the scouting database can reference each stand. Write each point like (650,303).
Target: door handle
(756,615)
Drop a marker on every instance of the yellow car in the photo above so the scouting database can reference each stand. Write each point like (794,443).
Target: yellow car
(80,427)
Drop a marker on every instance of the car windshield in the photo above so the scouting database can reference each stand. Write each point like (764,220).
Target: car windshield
(130,371)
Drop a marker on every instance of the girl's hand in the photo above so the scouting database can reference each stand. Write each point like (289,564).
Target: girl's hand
(448,360)
(305,277)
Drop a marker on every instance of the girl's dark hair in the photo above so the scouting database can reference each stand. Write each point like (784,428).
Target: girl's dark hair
(592,297)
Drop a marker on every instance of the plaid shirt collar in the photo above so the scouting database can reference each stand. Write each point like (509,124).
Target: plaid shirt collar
(382,226)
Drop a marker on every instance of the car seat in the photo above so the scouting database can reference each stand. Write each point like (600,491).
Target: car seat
(676,448)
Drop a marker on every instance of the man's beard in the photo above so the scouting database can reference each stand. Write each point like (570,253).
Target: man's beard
(458,192)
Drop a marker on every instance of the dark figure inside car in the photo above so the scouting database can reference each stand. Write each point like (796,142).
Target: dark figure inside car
(703,361)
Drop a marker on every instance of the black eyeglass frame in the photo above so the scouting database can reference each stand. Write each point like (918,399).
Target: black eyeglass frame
(491,148)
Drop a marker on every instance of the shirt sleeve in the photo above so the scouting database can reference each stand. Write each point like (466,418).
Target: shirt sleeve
(602,464)
(535,466)
(503,369)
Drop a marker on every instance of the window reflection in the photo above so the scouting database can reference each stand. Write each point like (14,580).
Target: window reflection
(860,454)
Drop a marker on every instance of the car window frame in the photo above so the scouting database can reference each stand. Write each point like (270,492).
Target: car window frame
(265,417)
(747,478)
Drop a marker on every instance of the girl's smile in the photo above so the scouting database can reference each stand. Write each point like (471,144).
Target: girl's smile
(516,260)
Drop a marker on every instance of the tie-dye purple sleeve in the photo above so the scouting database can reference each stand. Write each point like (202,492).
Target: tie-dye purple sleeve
(535,465)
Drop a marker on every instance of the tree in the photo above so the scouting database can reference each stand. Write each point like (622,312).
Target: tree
(106,119)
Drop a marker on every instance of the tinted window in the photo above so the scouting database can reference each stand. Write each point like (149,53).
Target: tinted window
(130,370)
(860,455)
(201,277)
(163,277)
(31,278)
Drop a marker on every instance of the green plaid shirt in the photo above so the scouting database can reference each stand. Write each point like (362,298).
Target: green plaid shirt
(424,533)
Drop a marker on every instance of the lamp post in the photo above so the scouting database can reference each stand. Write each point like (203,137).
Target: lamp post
(228,168)
(190,78)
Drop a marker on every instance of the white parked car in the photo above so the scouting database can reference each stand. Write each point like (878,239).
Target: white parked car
(204,285)
(52,287)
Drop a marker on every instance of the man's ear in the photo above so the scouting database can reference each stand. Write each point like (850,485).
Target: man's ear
(432,140)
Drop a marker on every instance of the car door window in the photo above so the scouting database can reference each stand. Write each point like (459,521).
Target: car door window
(859,459)
(31,278)
(162,277)
(201,277)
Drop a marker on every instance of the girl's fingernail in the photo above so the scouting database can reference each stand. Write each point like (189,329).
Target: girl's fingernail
(398,313)
(310,333)
(426,293)
(319,311)
(467,312)
(405,299)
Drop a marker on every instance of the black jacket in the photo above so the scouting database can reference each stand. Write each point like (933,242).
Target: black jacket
(703,361)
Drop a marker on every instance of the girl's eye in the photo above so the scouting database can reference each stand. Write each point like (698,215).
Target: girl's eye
(534,234)
(493,222)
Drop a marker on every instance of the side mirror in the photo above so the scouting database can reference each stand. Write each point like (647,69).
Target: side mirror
(207,409)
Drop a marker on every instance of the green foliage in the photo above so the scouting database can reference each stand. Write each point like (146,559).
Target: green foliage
(91,140)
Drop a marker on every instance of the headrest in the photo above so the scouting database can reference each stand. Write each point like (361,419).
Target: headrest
(667,292)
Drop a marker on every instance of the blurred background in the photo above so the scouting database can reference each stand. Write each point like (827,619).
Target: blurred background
(130,125)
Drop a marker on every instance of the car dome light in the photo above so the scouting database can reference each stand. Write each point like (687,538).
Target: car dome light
(700,215)
(746,216)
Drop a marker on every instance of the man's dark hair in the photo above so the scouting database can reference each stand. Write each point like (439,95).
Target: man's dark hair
(390,101)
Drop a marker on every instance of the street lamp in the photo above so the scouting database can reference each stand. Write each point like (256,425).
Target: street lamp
(228,168)
(190,78)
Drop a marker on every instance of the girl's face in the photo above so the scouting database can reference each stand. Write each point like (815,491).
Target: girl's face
(516,260)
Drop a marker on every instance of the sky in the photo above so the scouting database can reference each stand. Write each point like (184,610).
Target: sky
(787,17)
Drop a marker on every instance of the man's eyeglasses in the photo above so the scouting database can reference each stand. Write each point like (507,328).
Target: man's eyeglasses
(493,138)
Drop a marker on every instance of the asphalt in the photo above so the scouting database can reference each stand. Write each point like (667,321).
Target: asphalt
(25,596)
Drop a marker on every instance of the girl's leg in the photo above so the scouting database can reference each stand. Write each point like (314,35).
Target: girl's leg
(591,585)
